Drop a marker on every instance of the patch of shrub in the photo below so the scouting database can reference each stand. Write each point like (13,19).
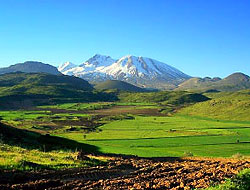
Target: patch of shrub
(240,182)
(238,156)
(188,154)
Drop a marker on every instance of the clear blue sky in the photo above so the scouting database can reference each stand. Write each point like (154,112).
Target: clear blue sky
(199,37)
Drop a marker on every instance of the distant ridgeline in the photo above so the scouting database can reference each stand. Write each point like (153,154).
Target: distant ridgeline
(31,67)
(34,83)
(234,82)
(137,73)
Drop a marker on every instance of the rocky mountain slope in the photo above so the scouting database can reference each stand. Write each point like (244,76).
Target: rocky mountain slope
(140,71)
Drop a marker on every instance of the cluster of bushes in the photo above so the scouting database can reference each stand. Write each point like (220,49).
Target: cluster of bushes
(239,182)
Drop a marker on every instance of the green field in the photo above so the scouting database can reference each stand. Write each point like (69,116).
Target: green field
(174,124)
(170,136)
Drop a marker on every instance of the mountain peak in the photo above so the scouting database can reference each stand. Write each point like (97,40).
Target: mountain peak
(238,76)
(66,66)
(129,57)
(32,62)
(98,60)
(100,55)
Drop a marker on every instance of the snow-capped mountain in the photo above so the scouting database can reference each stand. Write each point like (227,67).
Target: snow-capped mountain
(66,66)
(98,61)
(140,71)
(92,69)
(142,67)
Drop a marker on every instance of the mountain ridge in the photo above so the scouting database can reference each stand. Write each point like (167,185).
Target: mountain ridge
(31,67)
(235,81)
(139,71)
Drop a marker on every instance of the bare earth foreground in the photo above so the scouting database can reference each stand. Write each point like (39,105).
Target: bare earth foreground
(129,173)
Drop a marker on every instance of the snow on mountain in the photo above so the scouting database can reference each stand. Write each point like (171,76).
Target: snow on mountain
(131,66)
(92,66)
(66,66)
(140,71)
(98,61)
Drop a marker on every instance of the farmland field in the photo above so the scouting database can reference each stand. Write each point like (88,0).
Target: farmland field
(119,140)
(170,136)
(141,129)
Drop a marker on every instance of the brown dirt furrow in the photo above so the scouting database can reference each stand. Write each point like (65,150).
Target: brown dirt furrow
(129,173)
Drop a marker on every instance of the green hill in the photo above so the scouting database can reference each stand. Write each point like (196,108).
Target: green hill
(19,90)
(163,97)
(41,83)
(118,85)
(197,83)
(223,105)
(234,82)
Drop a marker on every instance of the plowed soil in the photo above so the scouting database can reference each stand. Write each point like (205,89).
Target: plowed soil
(129,173)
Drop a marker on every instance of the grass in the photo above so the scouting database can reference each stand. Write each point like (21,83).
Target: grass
(169,136)
(25,90)
(80,106)
(25,150)
(41,121)
(219,127)
(227,106)
(14,157)
(163,97)
(140,135)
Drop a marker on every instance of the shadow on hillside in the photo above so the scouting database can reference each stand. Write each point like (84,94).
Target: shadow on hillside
(32,140)
(14,102)
(24,101)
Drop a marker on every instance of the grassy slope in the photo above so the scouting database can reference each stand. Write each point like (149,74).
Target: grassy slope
(164,97)
(119,85)
(25,150)
(18,158)
(30,82)
(227,106)
(26,89)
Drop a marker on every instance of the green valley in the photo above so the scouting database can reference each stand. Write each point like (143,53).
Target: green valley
(77,126)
